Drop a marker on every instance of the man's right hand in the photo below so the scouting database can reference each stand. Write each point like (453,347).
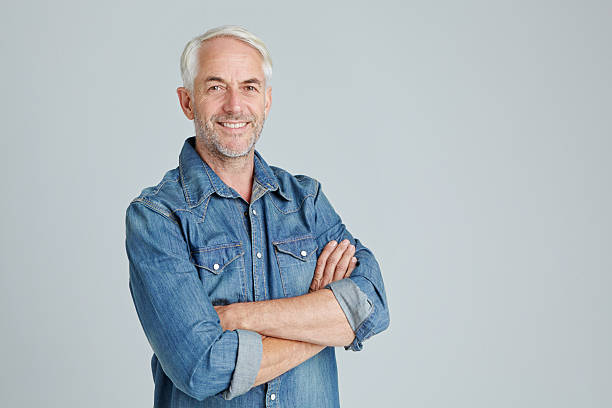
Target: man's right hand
(335,262)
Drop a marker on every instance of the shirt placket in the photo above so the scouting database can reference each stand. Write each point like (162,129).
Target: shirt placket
(258,246)
(272,397)
(259,280)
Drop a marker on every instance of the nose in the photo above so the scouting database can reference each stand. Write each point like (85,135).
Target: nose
(232,103)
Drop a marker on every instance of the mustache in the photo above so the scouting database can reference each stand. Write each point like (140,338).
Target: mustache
(234,118)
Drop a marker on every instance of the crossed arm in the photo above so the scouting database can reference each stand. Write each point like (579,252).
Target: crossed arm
(181,324)
(295,329)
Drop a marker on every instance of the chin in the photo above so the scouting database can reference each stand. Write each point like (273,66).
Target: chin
(233,153)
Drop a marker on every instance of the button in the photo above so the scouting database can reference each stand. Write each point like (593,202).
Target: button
(272,397)
(246,213)
(303,253)
(259,255)
(254,212)
(216,267)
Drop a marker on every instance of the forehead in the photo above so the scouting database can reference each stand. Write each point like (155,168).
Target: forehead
(230,59)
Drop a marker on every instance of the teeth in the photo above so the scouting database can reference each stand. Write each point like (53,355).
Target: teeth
(233,125)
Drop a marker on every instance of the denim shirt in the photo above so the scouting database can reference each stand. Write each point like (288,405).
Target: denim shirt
(193,243)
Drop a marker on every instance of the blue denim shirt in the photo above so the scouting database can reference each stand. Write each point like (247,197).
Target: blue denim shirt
(193,243)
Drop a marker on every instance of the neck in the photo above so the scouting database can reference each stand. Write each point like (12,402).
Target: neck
(236,172)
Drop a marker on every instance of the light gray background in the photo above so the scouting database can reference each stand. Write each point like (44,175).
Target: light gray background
(466,143)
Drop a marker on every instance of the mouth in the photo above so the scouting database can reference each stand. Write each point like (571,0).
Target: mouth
(233,125)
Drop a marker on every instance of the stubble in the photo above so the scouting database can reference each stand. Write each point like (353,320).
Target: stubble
(210,138)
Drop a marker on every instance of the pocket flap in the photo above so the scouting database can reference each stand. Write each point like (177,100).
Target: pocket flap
(216,258)
(300,248)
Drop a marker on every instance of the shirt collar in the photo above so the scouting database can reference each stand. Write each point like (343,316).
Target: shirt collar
(199,181)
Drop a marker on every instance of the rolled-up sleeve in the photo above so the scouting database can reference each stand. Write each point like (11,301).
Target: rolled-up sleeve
(354,303)
(250,352)
(361,296)
(177,316)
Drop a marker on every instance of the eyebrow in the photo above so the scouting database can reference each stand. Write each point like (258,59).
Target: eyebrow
(252,81)
(214,79)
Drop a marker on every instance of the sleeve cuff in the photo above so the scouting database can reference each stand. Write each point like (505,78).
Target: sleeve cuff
(250,351)
(354,303)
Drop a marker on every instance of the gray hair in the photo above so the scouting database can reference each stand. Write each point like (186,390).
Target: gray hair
(189,58)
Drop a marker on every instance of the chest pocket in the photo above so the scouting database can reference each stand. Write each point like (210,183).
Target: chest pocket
(221,270)
(296,258)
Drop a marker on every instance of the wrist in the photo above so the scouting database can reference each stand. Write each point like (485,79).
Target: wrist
(241,316)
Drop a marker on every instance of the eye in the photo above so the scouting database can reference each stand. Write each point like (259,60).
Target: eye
(250,88)
(214,88)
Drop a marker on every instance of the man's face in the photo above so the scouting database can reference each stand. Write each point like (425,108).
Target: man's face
(229,98)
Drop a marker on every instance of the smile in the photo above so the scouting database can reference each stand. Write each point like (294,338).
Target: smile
(235,125)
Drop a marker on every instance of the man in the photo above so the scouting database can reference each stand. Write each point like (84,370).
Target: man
(243,276)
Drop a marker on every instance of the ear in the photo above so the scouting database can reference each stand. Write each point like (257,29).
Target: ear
(185,101)
(268,100)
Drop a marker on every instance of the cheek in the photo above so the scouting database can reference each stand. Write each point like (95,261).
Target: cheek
(208,116)
(258,109)
(207,107)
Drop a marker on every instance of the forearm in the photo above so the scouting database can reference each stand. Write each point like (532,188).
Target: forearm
(281,355)
(314,318)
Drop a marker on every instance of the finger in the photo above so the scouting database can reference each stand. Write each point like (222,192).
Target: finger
(332,261)
(343,263)
(321,261)
(351,267)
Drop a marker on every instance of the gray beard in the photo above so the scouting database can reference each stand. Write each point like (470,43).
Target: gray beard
(207,134)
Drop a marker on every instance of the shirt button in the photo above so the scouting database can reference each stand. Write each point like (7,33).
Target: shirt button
(246,213)
(254,212)
(259,255)
(272,397)
(303,253)
(216,267)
